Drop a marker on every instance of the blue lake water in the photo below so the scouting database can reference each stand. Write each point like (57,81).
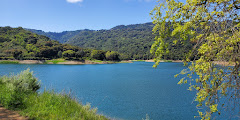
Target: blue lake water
(120,91)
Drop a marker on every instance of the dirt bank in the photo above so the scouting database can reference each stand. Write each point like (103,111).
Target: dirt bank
(10,115)
(223,63)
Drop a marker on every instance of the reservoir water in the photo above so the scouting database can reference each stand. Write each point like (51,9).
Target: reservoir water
(125,91)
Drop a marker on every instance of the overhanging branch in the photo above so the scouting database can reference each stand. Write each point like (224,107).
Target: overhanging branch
(203,3)
(235,5)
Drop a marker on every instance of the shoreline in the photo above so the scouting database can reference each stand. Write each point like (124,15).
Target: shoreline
(92,62)
(175,61)
(75,62)
(65,62)
(222,63)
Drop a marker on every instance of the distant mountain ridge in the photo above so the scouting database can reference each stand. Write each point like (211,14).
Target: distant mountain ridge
(134,40)
(62,37)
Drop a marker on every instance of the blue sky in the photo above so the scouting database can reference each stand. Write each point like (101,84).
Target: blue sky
(62,15)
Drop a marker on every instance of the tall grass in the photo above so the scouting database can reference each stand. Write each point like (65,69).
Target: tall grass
(138,60)
(9,62)
(55,61)
(50,105)
(19,92)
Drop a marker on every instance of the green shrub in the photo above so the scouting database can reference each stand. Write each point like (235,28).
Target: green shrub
(98,54)
(112,55)
(10,98)
(13,89)
(68,54)
(24,82)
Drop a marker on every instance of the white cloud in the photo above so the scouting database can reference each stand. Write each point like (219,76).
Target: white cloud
(74,1)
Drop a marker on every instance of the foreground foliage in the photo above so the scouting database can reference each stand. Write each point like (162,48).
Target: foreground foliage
(14,89)
(214,26)
(49,105)
(18,92)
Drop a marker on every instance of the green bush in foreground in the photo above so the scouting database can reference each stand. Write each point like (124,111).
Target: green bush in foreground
(13,89)
(19,93)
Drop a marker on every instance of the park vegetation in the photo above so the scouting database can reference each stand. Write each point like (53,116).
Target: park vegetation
(133,42)
(214,27)
(20,92)
(20,44)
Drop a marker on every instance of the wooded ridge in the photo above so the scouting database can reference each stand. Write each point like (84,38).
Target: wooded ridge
(133,41)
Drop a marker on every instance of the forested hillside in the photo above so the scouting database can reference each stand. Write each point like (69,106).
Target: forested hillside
(134,41)
(18,43)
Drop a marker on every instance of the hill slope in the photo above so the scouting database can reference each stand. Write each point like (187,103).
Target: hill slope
(18,43)
(134,41)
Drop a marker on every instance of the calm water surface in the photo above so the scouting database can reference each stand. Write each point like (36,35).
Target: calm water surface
(121,91)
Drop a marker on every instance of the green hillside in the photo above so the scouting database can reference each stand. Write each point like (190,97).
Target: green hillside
(18,43)
(134,41)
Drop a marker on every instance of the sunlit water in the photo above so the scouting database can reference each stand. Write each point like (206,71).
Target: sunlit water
(120,91)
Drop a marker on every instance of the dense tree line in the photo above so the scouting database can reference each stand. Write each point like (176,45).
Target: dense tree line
(132,41)
(18,43)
